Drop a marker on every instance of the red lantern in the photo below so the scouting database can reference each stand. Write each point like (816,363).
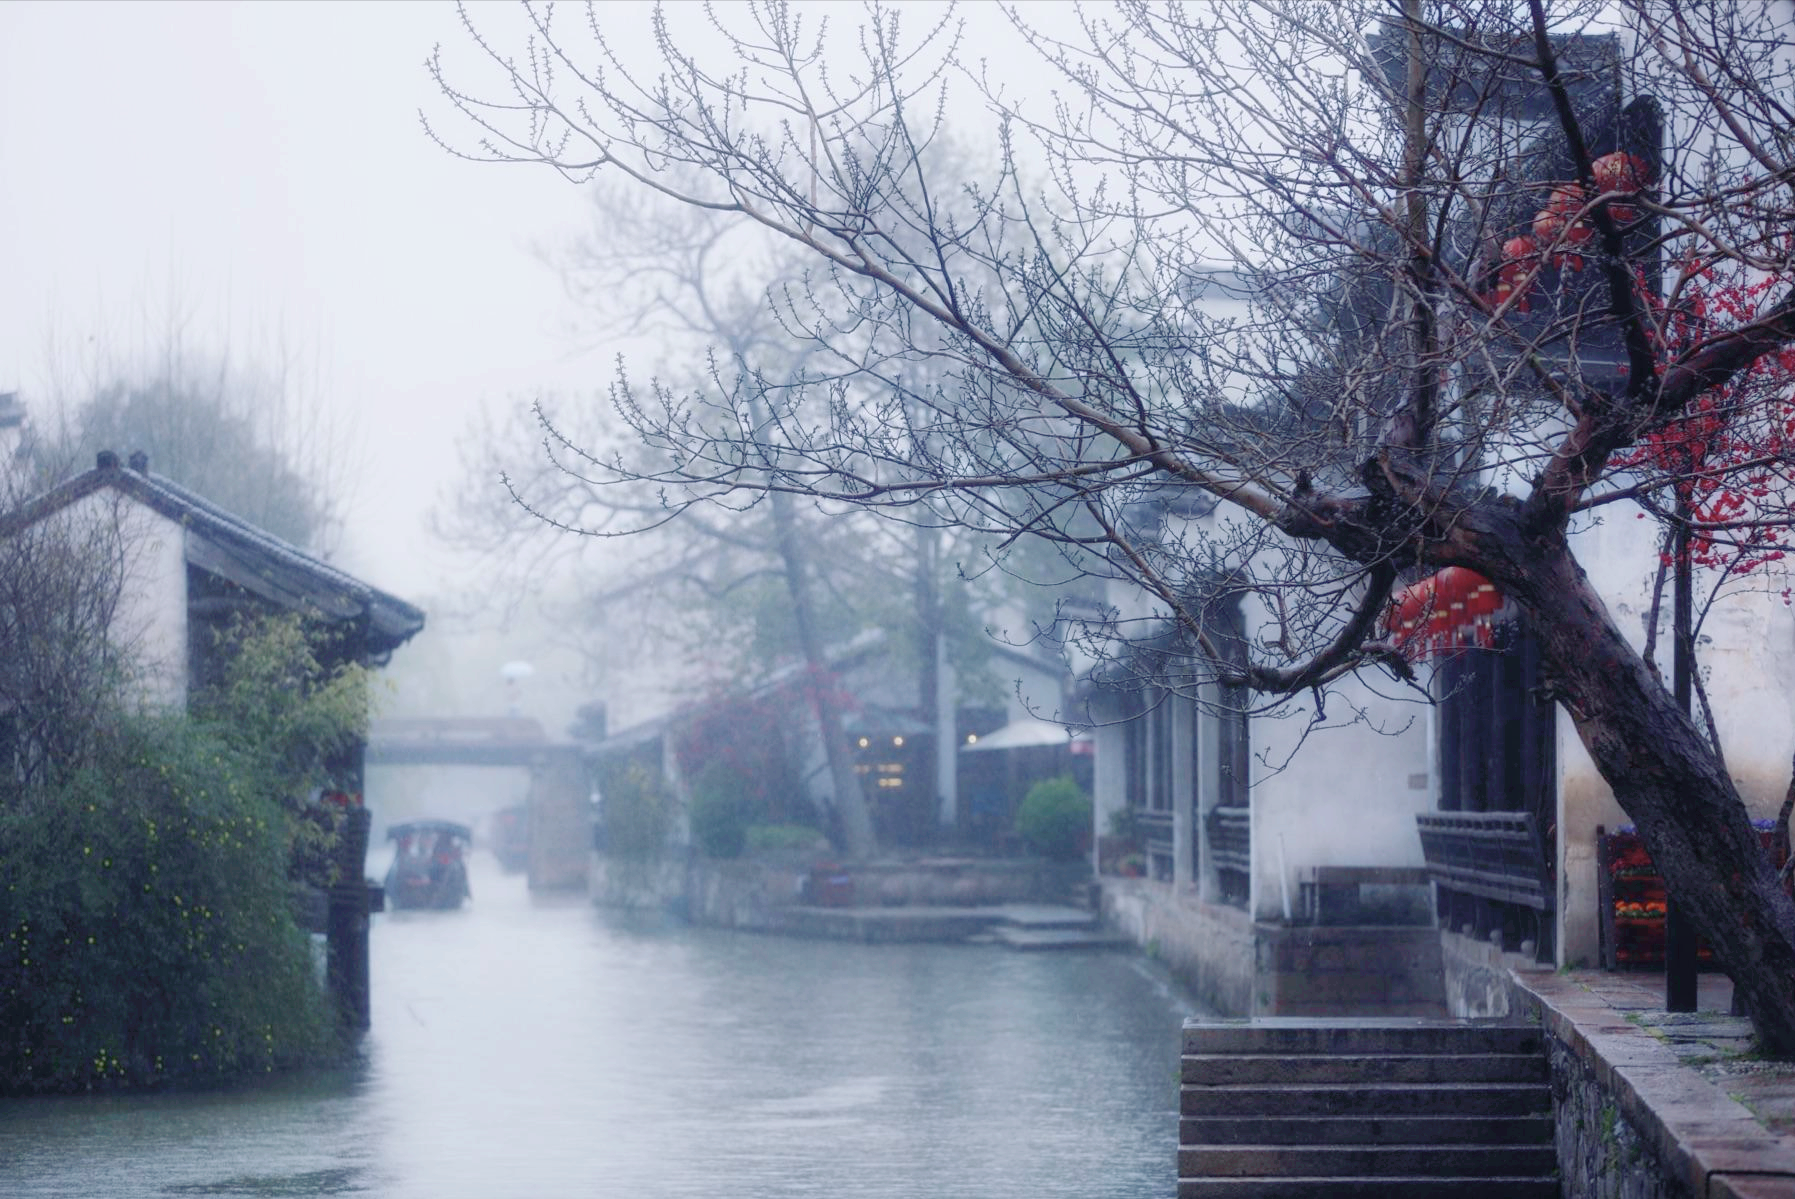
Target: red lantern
(1618,172)
(1554,224)
(1456,608)
(1517,263)
(1518,249)
(1409,609)
(1564,203)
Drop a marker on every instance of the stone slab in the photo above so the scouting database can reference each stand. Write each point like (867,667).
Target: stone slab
(1751,1186)
(1337,1099)
(1366,1188)
(1330,1034)
(1446,1070)
(1678,1079)
(1360,1128)
(1046,915)
(1036,939)
(1447,1163)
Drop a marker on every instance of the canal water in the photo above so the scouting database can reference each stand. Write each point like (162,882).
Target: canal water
(536,1049)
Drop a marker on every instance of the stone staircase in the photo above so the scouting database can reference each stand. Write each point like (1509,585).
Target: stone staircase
(1050,926)
(1356,1109)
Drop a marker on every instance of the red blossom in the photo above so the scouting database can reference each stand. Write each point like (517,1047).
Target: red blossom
(1726,454)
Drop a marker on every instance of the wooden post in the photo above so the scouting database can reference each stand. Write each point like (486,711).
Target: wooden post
(1679,937)
(346,971)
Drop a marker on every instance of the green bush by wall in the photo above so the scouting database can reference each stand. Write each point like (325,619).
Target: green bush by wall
(149,937)
(1054,818)
(719,819)
(637,812)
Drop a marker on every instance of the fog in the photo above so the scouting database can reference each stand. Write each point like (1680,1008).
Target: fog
(254,175)
(253,180)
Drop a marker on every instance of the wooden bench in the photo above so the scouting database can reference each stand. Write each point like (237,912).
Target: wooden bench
(1332,894)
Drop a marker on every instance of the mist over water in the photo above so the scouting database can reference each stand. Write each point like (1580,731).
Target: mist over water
(542,1048)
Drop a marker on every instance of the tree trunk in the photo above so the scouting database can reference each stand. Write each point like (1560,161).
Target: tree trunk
(850,800)
(934,690)
(1669,780)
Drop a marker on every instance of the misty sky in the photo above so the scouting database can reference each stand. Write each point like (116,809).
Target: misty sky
(258,170)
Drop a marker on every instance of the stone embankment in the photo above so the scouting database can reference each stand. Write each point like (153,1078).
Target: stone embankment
(1020,903)
(1660,1105)
(1649,1104)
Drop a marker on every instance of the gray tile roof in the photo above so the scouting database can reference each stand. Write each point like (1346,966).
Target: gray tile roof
(231,548)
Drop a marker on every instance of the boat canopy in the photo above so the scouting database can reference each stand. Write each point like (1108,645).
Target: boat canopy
(412,828)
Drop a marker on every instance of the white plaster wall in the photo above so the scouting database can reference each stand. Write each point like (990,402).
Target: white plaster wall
(1746,656)
(149,627)
(152,619)
(1341,792)
(1030,692)
(1348,797)
(1109,779)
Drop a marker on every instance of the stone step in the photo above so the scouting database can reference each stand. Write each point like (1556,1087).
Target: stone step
(1501,1187)
(1056,938)
(1353,1099)
(1214,1069)
(1354,1161)
(1366,1130)
(1045,916)
(1364,1036)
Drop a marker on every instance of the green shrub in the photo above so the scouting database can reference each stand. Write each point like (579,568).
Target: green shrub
(1055,818)
(773,837)
(289,707)
(719,825)
(636,813)
(1123,823)
(149,935)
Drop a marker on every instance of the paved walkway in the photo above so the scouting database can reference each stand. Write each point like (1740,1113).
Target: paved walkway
(1711,1042)
(1720,1116)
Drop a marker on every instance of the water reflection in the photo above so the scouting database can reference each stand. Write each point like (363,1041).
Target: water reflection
(540,1049)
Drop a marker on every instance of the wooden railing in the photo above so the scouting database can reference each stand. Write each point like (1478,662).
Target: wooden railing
(1496,855)
(1230,833)
(1155,829)
(1492,874)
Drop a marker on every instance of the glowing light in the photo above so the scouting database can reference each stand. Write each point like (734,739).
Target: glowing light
(897,741)
(864,743)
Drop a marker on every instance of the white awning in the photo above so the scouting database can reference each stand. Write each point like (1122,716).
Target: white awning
(1022,734)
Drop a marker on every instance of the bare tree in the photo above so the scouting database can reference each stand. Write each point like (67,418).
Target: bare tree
(62,655)
(1458,230)
(741,589)
(247,429)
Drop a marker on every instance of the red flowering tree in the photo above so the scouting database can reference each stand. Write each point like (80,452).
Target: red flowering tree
(1728,461)
(743,756)
(748,742)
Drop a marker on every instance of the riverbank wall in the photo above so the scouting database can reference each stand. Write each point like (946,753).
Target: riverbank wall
(1238,966)
(796,894)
